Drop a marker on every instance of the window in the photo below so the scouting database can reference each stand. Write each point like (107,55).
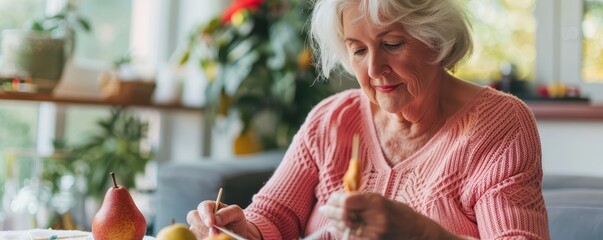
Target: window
(503,32)
(17,128)
(16,13)
(17,132)
(109,39)
(110,21)
(566,45)
(119,27)
(574,60)
(82,122)
(110,34)
(592,43)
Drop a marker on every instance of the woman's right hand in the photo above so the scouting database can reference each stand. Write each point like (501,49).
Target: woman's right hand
(372,216)
(230,217)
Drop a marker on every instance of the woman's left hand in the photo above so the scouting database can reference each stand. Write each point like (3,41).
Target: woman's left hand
(372,216)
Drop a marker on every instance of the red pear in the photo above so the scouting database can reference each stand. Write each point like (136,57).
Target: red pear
(118,218)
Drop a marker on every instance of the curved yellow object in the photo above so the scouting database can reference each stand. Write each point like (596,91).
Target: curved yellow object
(352,177)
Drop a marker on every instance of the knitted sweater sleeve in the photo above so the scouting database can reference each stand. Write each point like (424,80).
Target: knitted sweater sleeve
(509,202)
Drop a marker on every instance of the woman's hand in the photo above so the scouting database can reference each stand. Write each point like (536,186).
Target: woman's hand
(230,217)
(372,216)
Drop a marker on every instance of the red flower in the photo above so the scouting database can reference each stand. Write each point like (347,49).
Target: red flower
(238,5)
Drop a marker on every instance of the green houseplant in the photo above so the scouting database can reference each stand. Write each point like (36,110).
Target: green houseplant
(258,63)
(64,24)
(39,51)
(116,146)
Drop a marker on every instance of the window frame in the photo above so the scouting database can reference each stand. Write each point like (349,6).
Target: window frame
(559,42)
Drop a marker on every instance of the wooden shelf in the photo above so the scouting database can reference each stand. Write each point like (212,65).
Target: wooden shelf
(35,97)
(543,110)
(558,110)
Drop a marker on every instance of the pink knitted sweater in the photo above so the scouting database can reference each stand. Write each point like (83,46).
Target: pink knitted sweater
(479,176)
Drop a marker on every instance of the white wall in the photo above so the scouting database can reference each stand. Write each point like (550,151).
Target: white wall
(181,136)
(572,147)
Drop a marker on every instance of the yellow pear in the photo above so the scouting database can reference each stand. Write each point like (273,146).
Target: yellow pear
(176,231)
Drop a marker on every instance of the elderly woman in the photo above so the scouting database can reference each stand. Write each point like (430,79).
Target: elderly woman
(441,158)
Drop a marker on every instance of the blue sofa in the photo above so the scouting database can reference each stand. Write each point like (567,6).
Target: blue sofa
(574,203)
(182,186)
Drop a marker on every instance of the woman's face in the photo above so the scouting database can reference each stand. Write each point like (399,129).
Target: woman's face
(394,69)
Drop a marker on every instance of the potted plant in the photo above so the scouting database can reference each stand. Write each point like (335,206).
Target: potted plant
(258,63)
(117,147)
(40,51)
(125,84)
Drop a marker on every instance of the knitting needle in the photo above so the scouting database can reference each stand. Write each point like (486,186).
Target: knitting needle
(216,207)
(218,201)
(224,230)
(230,233)
(346,233)
(62,237)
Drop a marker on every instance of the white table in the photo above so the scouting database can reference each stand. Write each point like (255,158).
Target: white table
(43,234)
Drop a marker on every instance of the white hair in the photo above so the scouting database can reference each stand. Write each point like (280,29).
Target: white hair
(442,25)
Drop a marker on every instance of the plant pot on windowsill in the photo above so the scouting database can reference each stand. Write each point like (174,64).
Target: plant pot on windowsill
(38,55)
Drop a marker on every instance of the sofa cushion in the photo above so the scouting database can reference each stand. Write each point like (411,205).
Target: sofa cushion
(182,186)
(551,181)
(575,213)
